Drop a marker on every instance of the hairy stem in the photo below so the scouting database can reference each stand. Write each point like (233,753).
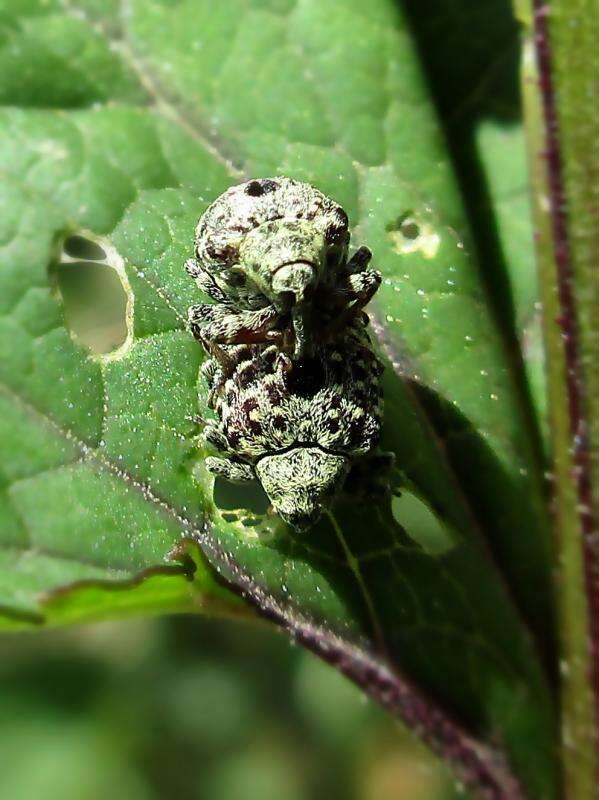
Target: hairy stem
(563,130)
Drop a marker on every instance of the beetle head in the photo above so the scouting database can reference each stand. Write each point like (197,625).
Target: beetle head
(302,482)
(284,259)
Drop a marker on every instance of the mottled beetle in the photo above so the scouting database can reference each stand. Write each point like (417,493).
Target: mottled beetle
(273,254)
(298,427)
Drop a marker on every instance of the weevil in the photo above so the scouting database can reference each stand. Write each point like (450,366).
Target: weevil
(273,254)
(298,426)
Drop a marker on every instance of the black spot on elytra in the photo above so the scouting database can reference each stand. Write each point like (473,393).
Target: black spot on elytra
(249,405)
(279,422)
(244,353)
(356,430)
(260,187)
(236,278)
(275,395)
(255,427)
(306,377)
(233,437)
(246,375)
(269,356)
(332,425)
(335,401)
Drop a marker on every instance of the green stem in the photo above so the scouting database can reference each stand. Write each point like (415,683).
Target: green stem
(560,58)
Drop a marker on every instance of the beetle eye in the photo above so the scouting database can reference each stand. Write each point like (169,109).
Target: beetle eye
(224,254)
(236,278)
(336,234)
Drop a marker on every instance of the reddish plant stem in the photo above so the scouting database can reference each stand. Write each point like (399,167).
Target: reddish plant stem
(568,324)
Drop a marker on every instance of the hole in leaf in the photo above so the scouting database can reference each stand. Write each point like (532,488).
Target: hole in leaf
(89,277)
(409,229)
(249,496)
(421,523)
(410,233)
(406,225)
(84,248)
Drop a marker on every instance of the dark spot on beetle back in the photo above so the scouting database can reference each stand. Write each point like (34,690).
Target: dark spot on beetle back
(279,422)
(356,430)
(233,437)
(249,405)
(258,188)
(275,395)
(245,353)
(236,278)
(254,426)
(246,375)
(306,377)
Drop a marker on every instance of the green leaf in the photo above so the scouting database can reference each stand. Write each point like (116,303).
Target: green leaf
(503,154)
(437,605)
(472,59)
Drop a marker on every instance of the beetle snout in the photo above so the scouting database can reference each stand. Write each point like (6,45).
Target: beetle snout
(302,482)
(284,257)
(297,279)
(302,521)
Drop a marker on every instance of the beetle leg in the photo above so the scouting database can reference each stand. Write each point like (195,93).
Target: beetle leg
(212,435)
(358,290)
(209,370)
(359,260)
(214,376)
(205,281)
(220,325)
(361,286)
(231,470)
(370,476)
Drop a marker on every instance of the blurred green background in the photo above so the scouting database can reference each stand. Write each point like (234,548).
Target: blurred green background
(194,710)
